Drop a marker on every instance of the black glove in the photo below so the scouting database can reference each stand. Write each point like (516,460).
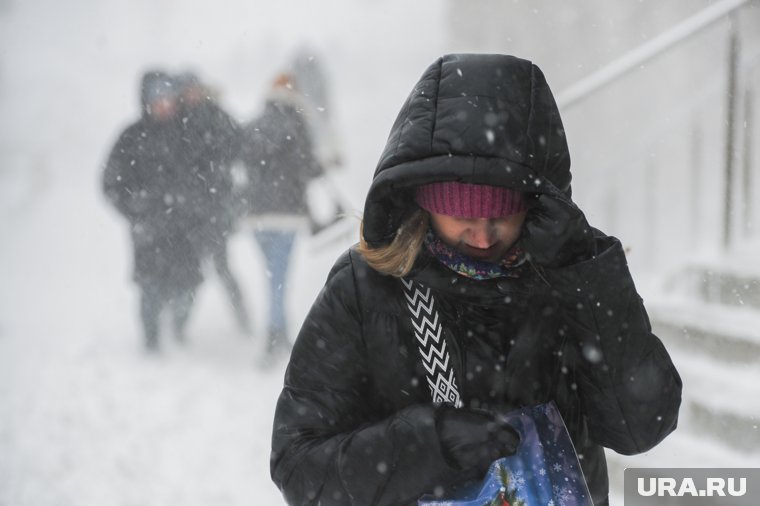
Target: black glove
(555,232)
(473,439)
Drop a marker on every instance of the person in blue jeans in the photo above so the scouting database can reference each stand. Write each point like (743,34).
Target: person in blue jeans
(278,155)
(276,245)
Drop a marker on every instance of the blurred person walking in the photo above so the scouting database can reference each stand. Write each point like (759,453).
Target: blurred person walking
(139,179)
(277,152)
(210,142)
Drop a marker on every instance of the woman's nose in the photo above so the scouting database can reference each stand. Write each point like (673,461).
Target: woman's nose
(481,233)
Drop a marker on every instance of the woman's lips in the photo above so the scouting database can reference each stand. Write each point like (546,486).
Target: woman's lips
(481,253)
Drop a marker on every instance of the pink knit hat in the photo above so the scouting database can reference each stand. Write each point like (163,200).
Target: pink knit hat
(465,200)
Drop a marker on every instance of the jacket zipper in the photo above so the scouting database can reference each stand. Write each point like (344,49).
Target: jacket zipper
(461,350)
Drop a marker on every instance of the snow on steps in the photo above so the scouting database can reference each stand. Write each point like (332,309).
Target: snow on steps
(734,283)
(721,401)
(716,349)
(726,333)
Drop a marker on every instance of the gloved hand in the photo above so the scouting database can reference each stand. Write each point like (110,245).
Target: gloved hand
(555,232)
(473,439)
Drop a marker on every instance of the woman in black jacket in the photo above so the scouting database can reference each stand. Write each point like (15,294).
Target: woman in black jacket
(478,287)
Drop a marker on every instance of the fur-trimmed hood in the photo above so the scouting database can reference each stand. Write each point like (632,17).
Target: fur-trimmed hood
(478,118)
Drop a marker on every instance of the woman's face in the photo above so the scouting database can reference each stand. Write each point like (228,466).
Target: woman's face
(486,239)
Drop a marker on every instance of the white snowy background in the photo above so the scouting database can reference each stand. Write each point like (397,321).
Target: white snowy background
(86,418)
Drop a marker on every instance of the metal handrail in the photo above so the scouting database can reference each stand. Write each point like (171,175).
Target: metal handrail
(632,59)
(636,58)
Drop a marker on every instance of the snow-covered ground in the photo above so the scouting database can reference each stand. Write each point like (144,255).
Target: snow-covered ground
(87,418)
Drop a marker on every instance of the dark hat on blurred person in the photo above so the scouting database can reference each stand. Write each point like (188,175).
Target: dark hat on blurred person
(190,89)
(157,85)
(189,82)
(158,94)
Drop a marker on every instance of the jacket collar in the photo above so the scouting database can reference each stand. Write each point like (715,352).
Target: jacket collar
(431,273)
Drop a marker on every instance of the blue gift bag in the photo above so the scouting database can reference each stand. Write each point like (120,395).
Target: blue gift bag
(543,472)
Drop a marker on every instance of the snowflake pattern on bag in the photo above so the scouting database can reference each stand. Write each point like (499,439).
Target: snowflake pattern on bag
(543,472)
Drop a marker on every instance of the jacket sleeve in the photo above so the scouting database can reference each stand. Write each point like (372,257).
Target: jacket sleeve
(329,446)
(310,165)
(251,152)
(226,144)
(629,388)
(120,184)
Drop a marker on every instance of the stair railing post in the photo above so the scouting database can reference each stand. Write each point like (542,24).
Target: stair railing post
(747,180)
(731,96)
(695,216)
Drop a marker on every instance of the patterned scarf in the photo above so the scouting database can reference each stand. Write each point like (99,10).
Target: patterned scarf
(471,267)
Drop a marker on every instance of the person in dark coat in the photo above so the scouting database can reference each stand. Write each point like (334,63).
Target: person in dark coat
(140,180)
(478,287)
(210,142)
(278,154)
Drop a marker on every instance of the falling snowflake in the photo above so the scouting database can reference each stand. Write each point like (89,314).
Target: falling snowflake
(542,471)
(550,503)
(557,467)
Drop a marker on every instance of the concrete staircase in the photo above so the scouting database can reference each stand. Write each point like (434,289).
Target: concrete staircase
(709,319)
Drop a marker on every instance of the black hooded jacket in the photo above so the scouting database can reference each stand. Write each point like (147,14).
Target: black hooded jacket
(141,179)
(355,424)
(142,165)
